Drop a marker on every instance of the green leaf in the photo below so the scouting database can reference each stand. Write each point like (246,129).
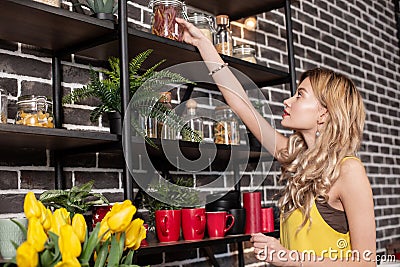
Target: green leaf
(91,244)
(102,255)
(114,255)
(21,227)
(129,258)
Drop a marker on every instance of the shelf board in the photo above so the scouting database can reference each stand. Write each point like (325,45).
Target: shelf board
(236,9)
(176,52)
(14,137)
(49,27)
(182,245)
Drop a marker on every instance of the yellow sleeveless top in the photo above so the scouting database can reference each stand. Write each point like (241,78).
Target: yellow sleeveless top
(319,238)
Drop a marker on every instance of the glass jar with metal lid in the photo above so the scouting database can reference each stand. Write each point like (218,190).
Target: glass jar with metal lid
(226,127)
(34,111)
(245,52)
(204,23)
(163,18)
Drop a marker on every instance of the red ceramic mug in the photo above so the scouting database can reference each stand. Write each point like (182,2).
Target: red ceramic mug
(168,225)
(99,211)
(193,223)
(267,220)
(216,223)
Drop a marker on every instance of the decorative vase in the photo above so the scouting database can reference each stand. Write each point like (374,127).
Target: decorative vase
(9,233)
(115,121)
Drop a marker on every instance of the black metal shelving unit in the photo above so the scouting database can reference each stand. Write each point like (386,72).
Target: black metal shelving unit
(61,32)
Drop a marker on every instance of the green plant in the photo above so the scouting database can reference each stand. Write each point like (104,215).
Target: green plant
(150,82)
(101,6)
(78,199)
(178,192)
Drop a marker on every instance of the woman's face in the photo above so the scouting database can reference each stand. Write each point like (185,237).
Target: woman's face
(302,111)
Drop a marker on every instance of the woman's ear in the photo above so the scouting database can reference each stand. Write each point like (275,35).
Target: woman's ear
(323,115)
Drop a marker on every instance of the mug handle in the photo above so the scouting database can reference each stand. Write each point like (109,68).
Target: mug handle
(164,228)
(232,223)
(202,219)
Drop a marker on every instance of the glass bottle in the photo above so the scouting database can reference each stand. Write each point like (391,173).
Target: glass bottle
(204,23)
(3,106)
(34,111)
(226,128)
(245,52)
(163,18)
(223,37)
(194,122)
(165,131)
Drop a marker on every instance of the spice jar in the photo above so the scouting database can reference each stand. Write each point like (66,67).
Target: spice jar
(34,111)
(163,19)
(223,37)
(204,23)
(194,122)
(245,52)
(3,106)
(165,131)
(226,128)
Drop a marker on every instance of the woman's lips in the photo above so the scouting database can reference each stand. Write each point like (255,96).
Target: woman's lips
(285,113)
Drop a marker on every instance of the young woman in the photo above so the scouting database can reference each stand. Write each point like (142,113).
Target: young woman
(326,205)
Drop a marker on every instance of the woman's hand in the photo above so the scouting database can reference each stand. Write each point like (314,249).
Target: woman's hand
(191,34)
(269,249)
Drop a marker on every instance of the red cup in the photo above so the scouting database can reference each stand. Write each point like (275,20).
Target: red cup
(99,211)
(193,223)
(216,223)
(168,225)
(252,204)
(267,220)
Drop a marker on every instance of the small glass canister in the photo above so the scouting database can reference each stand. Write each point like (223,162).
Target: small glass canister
(3,106)
(204,23)
(245,52)
(163,19)
(56,3)
(165,131)
(34,111)
(226,128)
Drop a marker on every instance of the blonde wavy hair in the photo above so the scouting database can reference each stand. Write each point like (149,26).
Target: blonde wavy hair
(309,173)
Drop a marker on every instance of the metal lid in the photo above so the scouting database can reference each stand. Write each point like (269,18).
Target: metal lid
(244,49)
(197,17)
(165,97)
(27,99)
(222,20)
(153,3)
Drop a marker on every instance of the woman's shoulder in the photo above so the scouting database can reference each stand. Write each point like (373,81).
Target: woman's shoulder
(352,173)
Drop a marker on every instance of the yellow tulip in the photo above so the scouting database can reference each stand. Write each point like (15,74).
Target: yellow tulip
(36,235)
(60,218)
(31,206)
(135,233)
(71,262)
(79,226)
(27,255)
(69,244)
(45,216)
(104,228)
(121,216)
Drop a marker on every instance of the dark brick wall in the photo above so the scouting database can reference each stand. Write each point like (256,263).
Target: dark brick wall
(356,37)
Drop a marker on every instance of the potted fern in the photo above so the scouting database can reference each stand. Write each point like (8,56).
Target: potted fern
(108,91)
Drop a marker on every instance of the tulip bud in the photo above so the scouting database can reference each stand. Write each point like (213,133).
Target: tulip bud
(79,226)
(69,244)
(60,218)
(45,216)
(36,235)
(27,255)
(31,206)
(121,216)
(71,262)
(135,233)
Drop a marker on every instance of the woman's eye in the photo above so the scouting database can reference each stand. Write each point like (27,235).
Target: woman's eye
(298,95)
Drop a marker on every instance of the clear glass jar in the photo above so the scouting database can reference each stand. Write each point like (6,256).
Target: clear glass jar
(165,131)
(194,122)
(226,127)
(204,23)
(223,37)
(147,123)
(34,111)
(245,52)
(163,18)
(3,106)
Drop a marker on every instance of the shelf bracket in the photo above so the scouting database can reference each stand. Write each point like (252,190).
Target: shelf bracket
(211,256)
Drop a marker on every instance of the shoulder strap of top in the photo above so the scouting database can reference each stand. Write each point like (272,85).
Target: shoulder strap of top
(349,157)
